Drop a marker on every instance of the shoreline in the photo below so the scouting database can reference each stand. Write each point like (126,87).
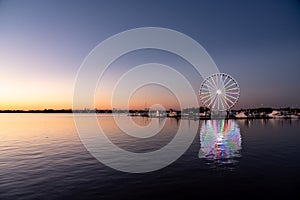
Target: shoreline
(190,117)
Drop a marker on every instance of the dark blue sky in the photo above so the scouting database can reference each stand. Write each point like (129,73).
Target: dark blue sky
(42,44)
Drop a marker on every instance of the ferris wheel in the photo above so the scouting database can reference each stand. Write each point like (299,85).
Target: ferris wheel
(219,92)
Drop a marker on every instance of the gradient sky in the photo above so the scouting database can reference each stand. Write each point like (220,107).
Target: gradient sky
(43,43)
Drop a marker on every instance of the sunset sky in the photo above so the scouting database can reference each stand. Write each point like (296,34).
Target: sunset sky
(43,43)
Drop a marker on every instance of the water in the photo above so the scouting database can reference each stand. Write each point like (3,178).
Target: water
(41,157)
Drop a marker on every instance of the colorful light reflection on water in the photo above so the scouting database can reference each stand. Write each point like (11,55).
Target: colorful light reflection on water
(220,142)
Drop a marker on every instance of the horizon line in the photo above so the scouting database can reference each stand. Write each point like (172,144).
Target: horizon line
(69,110)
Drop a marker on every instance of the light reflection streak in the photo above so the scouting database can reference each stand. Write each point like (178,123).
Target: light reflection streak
(220,142)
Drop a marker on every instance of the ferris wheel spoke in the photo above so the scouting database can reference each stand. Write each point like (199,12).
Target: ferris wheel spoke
(216,103)
(212,85)
(224,81)
(231,89)
(206,96)
(217,81)
(209,103)
(205,93)
(207,85)
(215,100)
(221,82)
(223,98)
(230,85)
(204,88)
(211,97)
(227,83)
(222,102)
(232,103)
(230,96)
(231,93)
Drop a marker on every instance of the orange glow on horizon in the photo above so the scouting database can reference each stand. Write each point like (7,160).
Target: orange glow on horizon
(35,106)
(146,96)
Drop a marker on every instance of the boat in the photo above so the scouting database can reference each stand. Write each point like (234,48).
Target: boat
(294,117)
(241,115)
(274,114)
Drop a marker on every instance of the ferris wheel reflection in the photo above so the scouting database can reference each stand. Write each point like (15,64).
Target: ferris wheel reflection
(220,143)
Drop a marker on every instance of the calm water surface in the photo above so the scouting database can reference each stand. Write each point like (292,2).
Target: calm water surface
(41,157)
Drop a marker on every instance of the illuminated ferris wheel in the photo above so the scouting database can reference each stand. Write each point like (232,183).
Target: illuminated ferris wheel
(219,92)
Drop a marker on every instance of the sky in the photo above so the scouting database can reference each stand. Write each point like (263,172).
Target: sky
(43,44)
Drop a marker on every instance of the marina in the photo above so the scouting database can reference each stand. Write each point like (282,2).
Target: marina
(261,113)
